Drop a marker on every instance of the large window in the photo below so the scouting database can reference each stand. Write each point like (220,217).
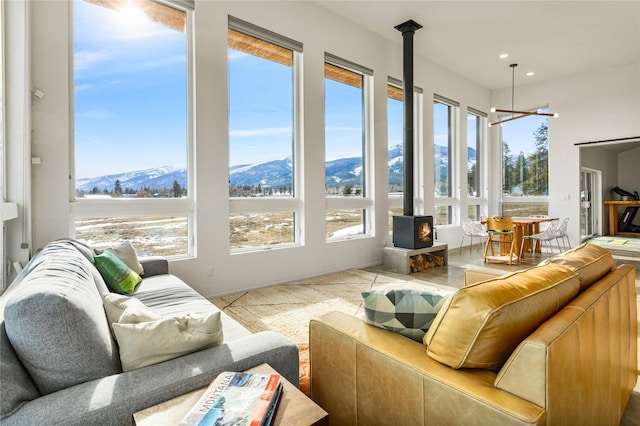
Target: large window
(263,137)
(132,124)
(444,125)
(475,136)
(347,110)
(525,168)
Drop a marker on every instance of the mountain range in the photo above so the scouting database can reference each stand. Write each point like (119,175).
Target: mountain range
(276,173)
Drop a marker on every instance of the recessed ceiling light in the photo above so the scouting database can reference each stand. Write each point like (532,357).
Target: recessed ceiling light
(530,73)
(504,55)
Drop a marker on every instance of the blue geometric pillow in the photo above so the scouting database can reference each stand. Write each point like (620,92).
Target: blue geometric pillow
(406,311)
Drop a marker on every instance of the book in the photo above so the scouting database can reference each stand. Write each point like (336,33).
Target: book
(242,399)
(268,420)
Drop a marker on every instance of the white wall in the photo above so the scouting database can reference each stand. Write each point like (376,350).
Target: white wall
(593,106)
(304,22)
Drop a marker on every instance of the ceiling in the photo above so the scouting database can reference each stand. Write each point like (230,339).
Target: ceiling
(554,39)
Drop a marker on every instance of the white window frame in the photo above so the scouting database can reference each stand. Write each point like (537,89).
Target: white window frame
(366,202)
(143,207)
(509,199)
(481,164)
(453,200)
(293,204)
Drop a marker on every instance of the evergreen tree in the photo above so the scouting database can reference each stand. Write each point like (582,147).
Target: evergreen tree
(117,189)
(177,190)
(508,169)
(537,182)
(346,190)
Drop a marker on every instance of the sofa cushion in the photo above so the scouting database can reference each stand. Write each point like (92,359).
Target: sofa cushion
(409,312)
(151,342)
(124,309)
(56,323)
(590,261)
(127,253)
(118,276)
(480,325)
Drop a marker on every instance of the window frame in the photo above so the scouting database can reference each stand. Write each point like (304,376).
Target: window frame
(532,200)
(293,204)
(481,169)
(452,200)
(142,207)
(366,201)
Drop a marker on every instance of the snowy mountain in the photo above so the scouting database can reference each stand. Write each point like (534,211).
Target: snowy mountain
(156,178)
(276,173)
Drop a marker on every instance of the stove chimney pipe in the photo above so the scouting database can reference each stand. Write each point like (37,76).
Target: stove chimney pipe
(408,29)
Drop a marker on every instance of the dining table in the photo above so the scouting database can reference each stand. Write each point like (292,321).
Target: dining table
(525,226)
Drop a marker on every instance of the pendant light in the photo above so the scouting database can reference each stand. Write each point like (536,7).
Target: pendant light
(514,113)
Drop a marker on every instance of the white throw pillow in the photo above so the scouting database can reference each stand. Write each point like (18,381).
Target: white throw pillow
(151,342)
(125,309)
(127,253)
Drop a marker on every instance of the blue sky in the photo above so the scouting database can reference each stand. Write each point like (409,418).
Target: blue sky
(122,119)
(127,67)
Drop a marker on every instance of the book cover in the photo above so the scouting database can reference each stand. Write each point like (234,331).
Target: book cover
(268,420)
(235,398)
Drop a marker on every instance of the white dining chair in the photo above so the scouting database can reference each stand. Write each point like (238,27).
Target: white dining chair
(472,229)
(547,235)
(561,233)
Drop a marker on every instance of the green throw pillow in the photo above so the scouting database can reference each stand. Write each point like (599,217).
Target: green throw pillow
(118,276)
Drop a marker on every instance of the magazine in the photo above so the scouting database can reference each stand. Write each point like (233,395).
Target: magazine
(235,399)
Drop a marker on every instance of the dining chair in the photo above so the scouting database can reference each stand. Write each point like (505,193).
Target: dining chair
(561,232)
(500,231)
(472,229)
(547,235)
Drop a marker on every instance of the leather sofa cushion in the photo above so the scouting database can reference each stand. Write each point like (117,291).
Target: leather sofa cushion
(56,323)
(480,325)
(590,261)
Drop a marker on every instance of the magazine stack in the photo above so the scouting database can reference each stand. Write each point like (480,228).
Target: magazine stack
(243,399)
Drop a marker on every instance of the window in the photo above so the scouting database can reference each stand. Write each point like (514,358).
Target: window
(347,110)
(395,138)
(132,125)
(263,136)
(444,124)
(525,171)
(475,136)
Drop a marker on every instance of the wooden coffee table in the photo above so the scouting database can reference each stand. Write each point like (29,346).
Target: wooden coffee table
(294,409)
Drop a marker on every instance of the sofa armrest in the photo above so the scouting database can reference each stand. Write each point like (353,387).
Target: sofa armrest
(154,265)
(114,399)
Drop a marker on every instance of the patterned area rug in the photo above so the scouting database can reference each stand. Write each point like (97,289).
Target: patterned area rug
(288,308)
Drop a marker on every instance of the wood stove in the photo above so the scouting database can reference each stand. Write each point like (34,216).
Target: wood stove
(413,232)
(409,231)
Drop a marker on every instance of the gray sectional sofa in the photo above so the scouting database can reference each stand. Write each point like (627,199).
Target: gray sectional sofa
(60,363)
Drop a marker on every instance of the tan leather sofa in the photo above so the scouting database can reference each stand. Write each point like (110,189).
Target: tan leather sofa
(579,366)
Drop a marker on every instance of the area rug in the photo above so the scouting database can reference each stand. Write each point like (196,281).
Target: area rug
(288,308)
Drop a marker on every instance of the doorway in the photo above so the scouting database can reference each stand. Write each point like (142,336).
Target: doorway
(590,202)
